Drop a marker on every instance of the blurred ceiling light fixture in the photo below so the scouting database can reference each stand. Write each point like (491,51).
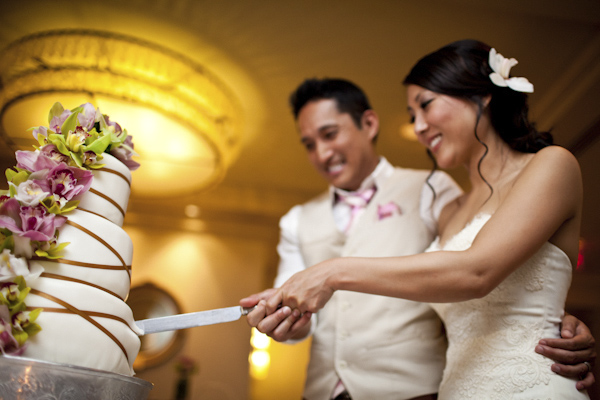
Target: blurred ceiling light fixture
(184,121)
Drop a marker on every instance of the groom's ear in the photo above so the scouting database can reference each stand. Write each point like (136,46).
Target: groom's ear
(370,123)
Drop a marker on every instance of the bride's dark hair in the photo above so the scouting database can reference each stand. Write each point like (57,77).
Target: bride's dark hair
(461,69)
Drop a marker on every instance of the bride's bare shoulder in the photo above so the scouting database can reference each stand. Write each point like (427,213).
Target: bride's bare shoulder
(557,155)
(555,163)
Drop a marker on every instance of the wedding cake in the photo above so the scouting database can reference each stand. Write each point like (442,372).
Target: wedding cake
(65,261)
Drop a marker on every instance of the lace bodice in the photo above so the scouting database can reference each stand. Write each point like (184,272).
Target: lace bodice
(492,339)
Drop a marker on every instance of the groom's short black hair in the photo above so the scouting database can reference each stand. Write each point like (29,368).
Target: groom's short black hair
(349,97)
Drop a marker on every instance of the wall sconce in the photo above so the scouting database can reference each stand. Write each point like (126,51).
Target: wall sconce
(407,132)
(184,120)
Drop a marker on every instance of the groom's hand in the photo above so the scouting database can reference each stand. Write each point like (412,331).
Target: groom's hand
(281,325)
(574,353)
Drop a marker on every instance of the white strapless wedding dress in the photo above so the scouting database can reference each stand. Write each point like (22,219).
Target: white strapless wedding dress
(492,340)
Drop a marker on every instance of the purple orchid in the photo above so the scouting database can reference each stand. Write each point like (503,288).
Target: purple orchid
(52,152)
(35,161)
(54,126)
(112,124)
(40,130)
(87,117)
(8,343)
(27,224)
(64,181)
(57,121)
(125,152)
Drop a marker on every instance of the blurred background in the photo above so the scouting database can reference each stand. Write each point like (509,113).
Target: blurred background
(203,86)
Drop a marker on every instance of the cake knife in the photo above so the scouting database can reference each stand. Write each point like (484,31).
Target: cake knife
(191,320)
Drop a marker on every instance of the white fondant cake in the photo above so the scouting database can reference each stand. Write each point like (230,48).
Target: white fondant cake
(65,261)
(85,320)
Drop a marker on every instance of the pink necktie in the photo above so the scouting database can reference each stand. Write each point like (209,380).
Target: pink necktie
(357,201)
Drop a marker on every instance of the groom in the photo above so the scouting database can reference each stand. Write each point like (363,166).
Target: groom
(363,346)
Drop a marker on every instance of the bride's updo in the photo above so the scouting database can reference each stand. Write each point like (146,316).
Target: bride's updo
(461,69)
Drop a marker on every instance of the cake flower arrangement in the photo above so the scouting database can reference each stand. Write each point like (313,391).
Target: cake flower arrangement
(42,188)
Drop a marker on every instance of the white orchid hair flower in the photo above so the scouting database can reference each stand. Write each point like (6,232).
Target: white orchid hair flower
(500,77)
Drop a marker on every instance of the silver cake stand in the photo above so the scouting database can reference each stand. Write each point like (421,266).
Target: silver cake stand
(28,379)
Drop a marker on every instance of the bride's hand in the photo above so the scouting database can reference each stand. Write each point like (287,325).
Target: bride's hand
(308,290)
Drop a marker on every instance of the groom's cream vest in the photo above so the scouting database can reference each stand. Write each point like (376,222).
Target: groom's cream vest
(382,348)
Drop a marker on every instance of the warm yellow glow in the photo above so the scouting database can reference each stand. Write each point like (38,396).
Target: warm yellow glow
(260,360)
(159,136)
(183,119)
(407,131)
(173,158)
(192,225)
(259,340)
(192,211)
(22,115)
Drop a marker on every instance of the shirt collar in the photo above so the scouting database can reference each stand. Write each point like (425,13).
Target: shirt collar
(382,171)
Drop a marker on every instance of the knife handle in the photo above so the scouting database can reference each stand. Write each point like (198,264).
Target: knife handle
(247,310)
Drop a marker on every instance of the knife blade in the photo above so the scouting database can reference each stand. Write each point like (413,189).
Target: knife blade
(191,320)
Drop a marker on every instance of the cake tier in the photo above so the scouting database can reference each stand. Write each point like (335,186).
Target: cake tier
(109,193)
(82,326)
(99,254)
(85,320)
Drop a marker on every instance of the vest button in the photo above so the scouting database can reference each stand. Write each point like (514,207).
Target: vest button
(343,364)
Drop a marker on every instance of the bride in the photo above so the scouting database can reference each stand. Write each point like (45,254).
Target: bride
(499,272)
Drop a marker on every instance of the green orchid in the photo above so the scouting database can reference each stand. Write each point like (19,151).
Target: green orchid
(17,175)
(22,322)
(7,240)
(58,140)
(56,111)
(74,140)
(13,294)
(32,328)
(57,207)
(70,124)
(52,251)
(24,325)
(83,134)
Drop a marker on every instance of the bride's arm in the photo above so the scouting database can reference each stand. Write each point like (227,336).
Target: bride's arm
(544,204)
